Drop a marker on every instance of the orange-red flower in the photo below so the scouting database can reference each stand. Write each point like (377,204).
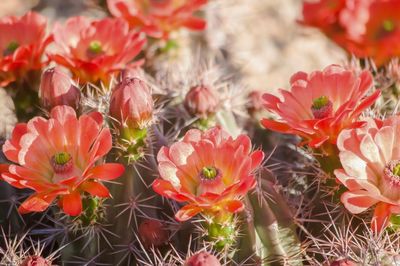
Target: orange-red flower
(159,17)
(380,39)
(370,157)
(94,49)
(319,105)
(365,28)
(56,157)
(324,15)
(209,170)
(22,43)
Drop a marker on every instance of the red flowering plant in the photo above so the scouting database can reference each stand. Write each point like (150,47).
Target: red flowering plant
(56,157)
(159,18)
(321,104)
(380,39)
(22,44)
(324,14)
(365,28)
(93,50)
(209,170)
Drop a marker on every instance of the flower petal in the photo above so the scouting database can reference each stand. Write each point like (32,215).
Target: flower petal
(187,212)
(107,171)
(357,201)
(36,203)
(72,203)
(381,217)
(96,189)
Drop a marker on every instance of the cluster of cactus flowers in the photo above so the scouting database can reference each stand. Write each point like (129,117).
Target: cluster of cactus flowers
(124,155)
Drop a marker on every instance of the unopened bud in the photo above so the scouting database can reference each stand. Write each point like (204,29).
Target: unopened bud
(35,261)
(202,259)
(201,101)
(153,233)
(57,88)
(132,104)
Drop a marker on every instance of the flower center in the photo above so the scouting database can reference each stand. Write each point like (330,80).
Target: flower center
(392,172)
(94,49)
(333,4)
(62,162)
(322,107)
(209,173)
(388,25)
(11,47)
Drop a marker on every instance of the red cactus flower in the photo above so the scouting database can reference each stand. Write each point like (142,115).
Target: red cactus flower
(94,49)
(57,88)
(319,105)
(209,170)
(371,169)
(132,104)
(366,28)
(56,157)
(324,14)
(22,43)
(380,39)
(159,17)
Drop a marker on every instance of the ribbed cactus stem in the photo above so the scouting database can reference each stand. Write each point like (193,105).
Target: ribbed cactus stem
(275,227)
(221,232)
(328,158)
(246,243)
(132,143)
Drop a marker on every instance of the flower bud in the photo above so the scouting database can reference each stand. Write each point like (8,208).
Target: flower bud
(255,103)
(153,233)
(57,88)
(132,104)
(201,101)
(131,72)
(35,261)
(202,259)
(343,262)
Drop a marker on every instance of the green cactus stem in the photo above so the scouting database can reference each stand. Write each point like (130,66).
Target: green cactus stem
(275,226)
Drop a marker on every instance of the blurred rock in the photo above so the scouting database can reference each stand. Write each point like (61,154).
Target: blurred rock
(265,43)
(7,115)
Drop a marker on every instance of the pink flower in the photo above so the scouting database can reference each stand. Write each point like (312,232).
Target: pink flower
(158,18)
(370,157)
(23,41)
(57,88)
(319,105)
(132,104)
(209,170)
(94,49)
(56,157)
